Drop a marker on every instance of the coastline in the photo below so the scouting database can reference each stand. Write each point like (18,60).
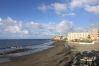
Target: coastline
(55,56)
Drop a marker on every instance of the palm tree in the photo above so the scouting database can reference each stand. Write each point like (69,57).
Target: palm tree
(89,37)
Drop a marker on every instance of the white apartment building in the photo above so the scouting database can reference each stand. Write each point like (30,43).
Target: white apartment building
(77,35)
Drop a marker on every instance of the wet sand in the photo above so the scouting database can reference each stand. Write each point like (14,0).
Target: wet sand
(59,55)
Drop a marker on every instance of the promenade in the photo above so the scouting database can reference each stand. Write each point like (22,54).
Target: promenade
(84,47)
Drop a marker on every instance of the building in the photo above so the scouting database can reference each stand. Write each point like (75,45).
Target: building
(58,38)
(95,33)
(77,35)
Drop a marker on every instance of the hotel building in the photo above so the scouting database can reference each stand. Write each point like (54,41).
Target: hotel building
(77,35)
(94,35)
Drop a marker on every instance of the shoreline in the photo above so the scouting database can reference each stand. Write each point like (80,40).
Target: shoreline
(55,56)
(15,51)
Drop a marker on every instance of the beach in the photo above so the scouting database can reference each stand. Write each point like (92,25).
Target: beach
(60,55)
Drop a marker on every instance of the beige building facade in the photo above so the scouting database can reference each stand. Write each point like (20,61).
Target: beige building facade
(77,35)
(95,34)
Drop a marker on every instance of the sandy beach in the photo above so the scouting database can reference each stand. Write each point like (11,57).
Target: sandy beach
(59,55)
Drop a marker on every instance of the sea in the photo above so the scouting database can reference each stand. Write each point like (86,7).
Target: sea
(36,45)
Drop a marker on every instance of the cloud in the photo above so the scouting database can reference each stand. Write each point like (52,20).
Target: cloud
(59,8)
(9,22)
(67,9)
(25,31)
(69,14)
(62,27)
(82,3)
(92,9)
(43,7)
(49,29)
(34,25)
(91,6)
(13,28)
(0,19)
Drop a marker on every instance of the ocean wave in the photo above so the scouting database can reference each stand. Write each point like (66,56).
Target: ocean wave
(19,51)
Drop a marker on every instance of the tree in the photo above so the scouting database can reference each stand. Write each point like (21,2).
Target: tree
(89,37)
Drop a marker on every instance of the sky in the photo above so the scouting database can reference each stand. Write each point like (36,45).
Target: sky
(32,19)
